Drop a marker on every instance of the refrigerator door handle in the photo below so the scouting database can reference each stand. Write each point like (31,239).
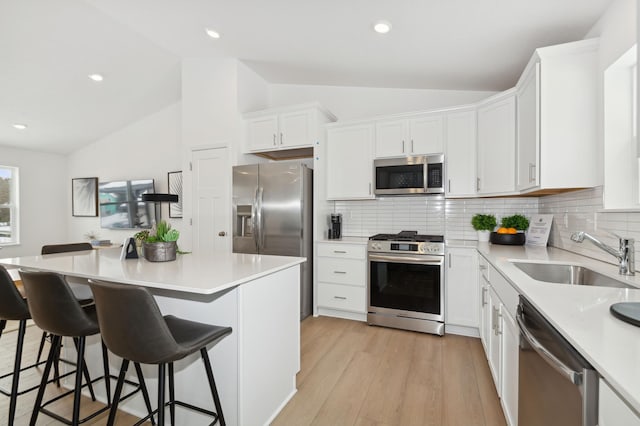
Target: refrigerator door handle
(254,219)
(260,220)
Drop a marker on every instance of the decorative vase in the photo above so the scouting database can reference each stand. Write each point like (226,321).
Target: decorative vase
(483,236)
(160,252)
(516,239)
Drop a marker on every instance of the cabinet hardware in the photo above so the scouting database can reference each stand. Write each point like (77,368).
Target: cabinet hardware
(340,297)
(498,327)
(339,272)
(449,260)
(412,146)
(532,172)
(274,139)
(477,184)
(484,300)
(339,251)
(483,267)
(449,183)
(403,146)
(280,138)
(221,234)
(369,188)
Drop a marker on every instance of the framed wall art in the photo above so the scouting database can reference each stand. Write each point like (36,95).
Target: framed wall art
(175,187)
(84,197)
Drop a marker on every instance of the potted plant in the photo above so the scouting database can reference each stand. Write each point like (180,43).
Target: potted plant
(511,231)
(161,244)
(484,224)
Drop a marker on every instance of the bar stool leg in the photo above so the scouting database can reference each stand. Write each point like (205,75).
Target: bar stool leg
(172,395)
(85,370)
(145,393)
(22,329)
(118,392)
(41,348)
(80,368)
(161,373)
(212,385)
(105,364)
(45,376)
(3,324)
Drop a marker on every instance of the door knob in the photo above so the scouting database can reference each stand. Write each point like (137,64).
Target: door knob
(221,234)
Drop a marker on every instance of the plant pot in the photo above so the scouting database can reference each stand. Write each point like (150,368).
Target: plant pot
(483,236)
(517,239)
(160,252)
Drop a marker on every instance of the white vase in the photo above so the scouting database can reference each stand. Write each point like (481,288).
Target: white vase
(483,236)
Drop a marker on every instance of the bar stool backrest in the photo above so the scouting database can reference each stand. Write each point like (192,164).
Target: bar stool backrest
(64,248)
(131,323)
(53,306)
(12,305)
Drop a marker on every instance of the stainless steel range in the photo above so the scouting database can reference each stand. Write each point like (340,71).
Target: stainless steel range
(405,283)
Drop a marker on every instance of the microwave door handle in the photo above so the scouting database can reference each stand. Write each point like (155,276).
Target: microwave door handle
(573,376)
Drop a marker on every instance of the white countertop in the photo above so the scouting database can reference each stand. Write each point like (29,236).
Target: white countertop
(581,313)
(190,273)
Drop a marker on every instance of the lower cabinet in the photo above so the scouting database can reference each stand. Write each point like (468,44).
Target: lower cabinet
(500,335)
(613,410)
(342,280)
(461,289)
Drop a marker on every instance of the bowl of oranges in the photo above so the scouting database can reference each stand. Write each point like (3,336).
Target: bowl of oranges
(511,231)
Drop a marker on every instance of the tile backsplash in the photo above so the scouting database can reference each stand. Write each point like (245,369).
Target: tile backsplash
(573,211)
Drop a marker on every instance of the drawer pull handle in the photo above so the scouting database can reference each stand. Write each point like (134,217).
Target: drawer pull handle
(339,272)
(339,251)
(340,297)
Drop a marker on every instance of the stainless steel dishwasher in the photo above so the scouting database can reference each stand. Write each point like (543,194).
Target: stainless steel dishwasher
(556,385)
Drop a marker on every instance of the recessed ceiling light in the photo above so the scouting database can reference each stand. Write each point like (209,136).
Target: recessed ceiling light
(96,77)
(382,27)
(19,126)
(212,33)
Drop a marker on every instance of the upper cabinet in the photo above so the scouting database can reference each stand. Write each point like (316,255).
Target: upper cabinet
(416,135)
(349,162)
(276,131)
(557,118)
(497,145)
(460,153)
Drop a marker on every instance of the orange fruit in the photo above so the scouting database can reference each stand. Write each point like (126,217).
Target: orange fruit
(503,231)
(512,231)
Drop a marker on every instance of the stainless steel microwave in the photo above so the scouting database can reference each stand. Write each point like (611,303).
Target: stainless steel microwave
(422,174)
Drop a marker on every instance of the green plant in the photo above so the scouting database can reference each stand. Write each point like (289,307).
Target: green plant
(483,222)
(163,234)
(141,235)
(516,221)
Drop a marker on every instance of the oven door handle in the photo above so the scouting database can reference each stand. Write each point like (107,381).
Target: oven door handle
(574,377)
(435,260)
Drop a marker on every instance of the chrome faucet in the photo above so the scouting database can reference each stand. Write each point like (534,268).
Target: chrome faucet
(625,255)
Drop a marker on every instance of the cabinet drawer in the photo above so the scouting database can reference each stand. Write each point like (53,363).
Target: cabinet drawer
(347,251)
(341,271)
(336,296)
(483,267)
(505,291)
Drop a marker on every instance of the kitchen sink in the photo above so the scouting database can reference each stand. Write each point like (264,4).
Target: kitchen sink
(568,274)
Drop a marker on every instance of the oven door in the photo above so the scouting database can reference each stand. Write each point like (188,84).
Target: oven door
(406,285)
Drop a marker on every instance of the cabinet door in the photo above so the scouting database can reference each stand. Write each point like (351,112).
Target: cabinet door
(262,133)
(426,135)
(528,139)
(612,410)
(295,129)
(461,154)
(485,310)
(510,352)
(350,162)
(495,350)
(391,138)
(462,287)
(496,146)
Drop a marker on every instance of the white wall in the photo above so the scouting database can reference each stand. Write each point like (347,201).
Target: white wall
(44,204)
(148,148)
(349,103)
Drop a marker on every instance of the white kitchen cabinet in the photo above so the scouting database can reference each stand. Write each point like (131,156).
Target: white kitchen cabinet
(557,118)
(342,280)
(461,290)
(494,339)
(509,370)
(497,145)
(418,135)
(484,315)
(613,410)
(460,153)
(349,165)
(287,128)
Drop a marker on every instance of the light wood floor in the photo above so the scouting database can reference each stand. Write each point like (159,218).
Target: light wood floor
(354,374)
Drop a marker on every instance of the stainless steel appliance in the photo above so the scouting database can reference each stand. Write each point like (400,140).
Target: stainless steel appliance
(423,174)
(272,211)
(405,283)
(556,385)
(335,223)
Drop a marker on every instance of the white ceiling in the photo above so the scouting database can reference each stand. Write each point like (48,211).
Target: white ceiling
(47,48)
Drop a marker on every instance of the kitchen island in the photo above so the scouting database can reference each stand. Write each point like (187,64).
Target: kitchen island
(258,296)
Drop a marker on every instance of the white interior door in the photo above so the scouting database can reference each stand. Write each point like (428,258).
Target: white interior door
(211,200)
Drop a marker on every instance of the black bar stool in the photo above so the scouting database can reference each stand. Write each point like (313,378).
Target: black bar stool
(133,328)
(55,310)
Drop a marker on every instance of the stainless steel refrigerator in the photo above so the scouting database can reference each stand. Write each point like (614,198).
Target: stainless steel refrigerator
(273,214)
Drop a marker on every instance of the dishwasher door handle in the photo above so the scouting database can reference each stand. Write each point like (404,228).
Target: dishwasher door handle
(574,377)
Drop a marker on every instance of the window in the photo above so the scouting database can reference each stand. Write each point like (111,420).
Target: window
(9,205)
